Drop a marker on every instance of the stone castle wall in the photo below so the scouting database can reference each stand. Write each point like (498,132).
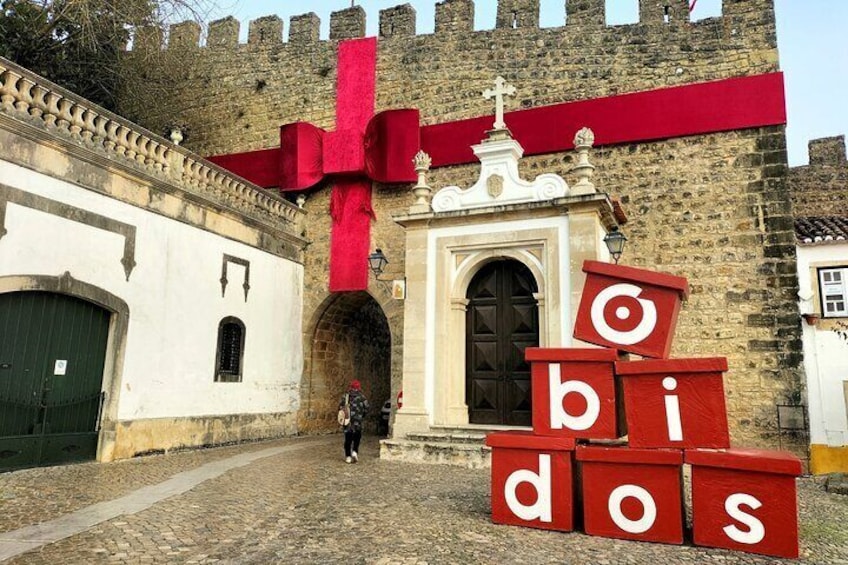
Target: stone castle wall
(714,208)
(821,188)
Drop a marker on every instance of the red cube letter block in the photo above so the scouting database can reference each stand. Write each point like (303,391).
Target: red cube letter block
(531,481)
(675,403)
(745,499)
(629,309)
(574,393)
(632,494)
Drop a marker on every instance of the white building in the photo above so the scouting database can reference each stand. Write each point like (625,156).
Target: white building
(822,246)
(149,300)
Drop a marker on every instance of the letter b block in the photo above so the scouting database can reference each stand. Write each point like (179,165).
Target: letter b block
(632,494)
(745,499)
(574,393)
(629,309)
(532,481)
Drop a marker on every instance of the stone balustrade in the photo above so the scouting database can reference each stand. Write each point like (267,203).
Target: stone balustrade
(29,97)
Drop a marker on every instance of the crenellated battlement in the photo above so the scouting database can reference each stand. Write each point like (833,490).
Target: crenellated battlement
(663,11)
(223,33)
(828,151)
(304,29)
(454,16)
(397,21)
(818,189)
(451,16)
(514,14)
(265,31)
(347,24)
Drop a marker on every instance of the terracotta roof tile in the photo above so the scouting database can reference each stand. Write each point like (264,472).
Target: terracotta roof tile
(821,229)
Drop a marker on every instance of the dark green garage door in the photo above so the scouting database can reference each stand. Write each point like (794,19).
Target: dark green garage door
(52,349)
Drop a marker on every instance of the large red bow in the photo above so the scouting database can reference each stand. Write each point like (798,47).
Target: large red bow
(383,153)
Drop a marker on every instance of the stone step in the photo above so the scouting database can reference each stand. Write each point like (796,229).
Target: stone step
(469,437)
(473,455)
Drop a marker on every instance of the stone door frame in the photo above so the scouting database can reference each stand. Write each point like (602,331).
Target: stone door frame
(461,258)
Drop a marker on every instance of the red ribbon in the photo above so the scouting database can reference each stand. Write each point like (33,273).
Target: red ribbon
(366,147)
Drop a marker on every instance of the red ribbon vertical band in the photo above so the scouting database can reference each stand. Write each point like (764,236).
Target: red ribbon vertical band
(351,198)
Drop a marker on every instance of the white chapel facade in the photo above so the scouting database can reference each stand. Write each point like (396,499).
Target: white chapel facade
(492,269)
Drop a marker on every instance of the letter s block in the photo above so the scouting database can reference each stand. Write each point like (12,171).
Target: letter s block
(633,494)
(532,480)
(745,499)
(629,309)
(575,393)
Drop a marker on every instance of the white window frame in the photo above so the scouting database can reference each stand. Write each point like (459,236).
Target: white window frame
(833,291)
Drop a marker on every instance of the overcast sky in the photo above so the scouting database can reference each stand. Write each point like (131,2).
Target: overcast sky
(811,38)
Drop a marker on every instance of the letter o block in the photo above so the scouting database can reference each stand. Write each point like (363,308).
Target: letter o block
(745,499)
(575,393)
(633,494)
(532,480)
(629,309)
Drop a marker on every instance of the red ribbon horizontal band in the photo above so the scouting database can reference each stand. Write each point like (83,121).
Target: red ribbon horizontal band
(709,107)
(695,109)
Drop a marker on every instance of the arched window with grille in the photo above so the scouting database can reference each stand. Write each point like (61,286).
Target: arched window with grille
(228,360)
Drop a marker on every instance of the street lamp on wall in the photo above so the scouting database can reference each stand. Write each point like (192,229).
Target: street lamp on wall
(614,241)
(377,262)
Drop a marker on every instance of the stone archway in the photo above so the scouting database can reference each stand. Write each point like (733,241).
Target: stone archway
(350,339)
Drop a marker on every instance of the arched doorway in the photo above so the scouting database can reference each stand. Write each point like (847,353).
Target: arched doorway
(502,319)
(351,340)
(52,356)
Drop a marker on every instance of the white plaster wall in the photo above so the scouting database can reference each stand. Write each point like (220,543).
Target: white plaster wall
(560,223)
(174,299)
(825,356)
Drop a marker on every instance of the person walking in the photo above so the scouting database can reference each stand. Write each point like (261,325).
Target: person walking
(358,406)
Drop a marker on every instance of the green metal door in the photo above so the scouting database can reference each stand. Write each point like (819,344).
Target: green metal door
(52,350)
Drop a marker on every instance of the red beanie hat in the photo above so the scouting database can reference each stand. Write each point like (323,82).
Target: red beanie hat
(355,385)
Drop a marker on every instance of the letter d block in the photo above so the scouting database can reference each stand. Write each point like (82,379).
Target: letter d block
(633,494)
(575,393)
(532,481)
(745,499)
(629,309)
(675,403)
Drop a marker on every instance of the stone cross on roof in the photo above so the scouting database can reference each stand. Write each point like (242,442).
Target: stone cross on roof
(501,89)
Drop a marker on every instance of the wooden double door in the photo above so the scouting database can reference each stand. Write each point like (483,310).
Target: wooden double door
(52,352)
(502,320)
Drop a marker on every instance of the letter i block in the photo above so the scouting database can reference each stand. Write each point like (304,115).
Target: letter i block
(629,309)
(574,393)
(633,494)
(676,403)
(745,499)
(532,480)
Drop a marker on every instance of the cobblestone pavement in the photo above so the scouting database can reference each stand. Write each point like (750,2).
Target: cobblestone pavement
(307,506)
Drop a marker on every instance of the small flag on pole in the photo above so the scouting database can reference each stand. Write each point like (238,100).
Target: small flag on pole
(692,5)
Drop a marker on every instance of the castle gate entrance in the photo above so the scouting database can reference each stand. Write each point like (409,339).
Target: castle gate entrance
(502,320)
(351,340)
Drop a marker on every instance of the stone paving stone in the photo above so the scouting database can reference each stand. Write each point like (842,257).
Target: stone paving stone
(308,506)
(31,496)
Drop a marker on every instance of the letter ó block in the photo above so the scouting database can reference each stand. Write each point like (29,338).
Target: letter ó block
(532,480)
(629,309)
(633,494)
(676,403)
(575,393)
(745,499)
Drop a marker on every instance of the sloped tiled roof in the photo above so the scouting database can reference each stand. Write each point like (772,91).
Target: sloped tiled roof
(821,229)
